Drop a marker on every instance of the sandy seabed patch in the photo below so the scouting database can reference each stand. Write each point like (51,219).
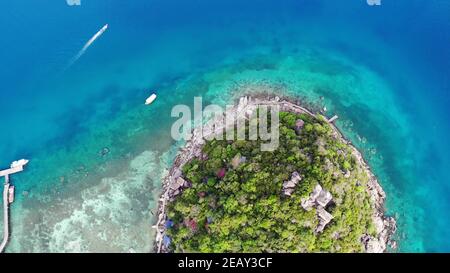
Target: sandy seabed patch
(114,215)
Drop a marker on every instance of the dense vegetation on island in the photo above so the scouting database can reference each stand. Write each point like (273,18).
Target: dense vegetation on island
(235,201)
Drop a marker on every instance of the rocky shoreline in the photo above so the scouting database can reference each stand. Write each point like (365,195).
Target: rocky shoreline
(385,225)
(173,182)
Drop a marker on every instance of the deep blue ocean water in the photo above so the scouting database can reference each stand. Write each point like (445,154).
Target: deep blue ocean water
(383,69)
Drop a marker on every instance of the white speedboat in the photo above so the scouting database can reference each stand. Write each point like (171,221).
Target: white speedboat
(150,99)
(19,163)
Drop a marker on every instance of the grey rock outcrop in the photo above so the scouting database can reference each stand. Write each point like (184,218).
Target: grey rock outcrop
(319,199)
(324,218)
(289,186)
(299,126)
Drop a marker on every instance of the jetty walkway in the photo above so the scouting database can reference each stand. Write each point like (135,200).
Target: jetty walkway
(8,197)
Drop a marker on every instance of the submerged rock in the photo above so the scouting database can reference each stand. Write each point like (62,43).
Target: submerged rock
(104,151)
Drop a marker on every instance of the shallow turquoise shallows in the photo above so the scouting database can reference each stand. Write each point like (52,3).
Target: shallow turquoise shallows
(98,154)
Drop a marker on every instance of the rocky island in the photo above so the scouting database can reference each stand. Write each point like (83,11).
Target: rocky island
(314,193)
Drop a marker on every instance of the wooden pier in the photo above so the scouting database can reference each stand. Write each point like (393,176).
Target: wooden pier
(16,166)
(331,120)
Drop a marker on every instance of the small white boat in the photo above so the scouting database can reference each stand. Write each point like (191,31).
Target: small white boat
(11,194)
(19,163)
(150,99)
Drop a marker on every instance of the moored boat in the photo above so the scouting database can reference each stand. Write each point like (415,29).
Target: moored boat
(150,99)
(11,194)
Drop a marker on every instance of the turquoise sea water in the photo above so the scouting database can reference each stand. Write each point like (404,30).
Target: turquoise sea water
(384,70)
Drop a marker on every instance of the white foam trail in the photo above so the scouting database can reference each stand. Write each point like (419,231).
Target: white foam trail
(87,45)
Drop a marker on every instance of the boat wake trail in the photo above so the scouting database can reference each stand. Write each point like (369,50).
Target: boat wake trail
(86,46)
